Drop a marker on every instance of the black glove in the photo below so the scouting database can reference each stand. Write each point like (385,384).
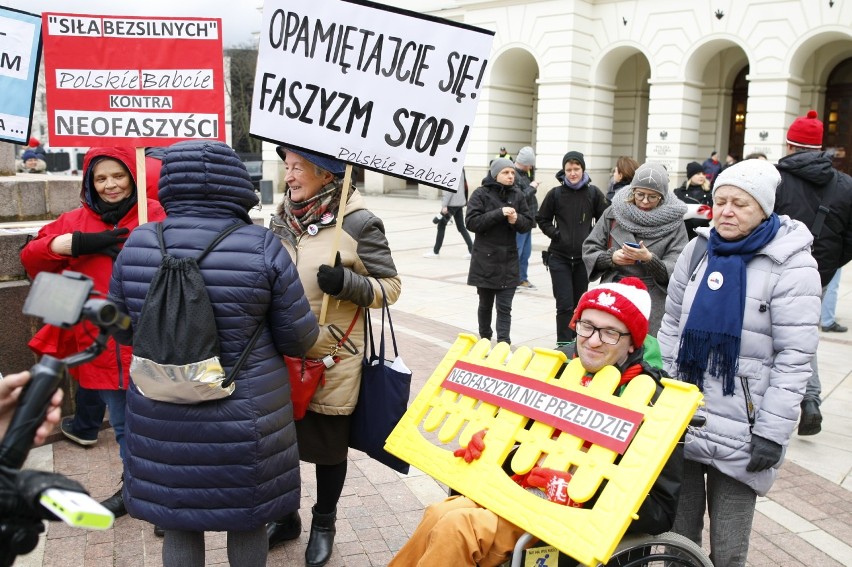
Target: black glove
(764,454)
(330,279)
(105,242)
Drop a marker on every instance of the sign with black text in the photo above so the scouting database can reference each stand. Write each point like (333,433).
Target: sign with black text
(20,53)
(584,416)
(378,87)
(124,80)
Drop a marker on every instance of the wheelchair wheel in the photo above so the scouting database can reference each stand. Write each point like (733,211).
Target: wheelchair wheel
(664,550)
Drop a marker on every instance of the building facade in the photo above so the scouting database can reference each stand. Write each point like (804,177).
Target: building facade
(668,81)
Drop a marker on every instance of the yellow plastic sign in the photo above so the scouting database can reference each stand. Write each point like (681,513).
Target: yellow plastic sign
(441,420)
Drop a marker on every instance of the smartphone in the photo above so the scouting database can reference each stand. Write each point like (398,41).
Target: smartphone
(58,299)
(77,509)
(632,244)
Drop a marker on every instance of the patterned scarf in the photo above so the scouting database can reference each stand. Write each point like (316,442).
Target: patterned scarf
(711,337)
(298,216)
(655,223)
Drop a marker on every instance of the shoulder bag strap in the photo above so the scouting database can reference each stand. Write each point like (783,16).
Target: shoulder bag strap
(219,238)
(823,210)
(232,375)
(386,309)
(698,252)
(160,238)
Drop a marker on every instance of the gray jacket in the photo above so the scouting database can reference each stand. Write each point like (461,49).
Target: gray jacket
(457,199)
(608,236)
(779,339)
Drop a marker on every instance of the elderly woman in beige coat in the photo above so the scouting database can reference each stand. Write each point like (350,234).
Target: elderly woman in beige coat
(364,270)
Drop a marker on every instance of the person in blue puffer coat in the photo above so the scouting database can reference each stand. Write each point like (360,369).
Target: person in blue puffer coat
(231,464)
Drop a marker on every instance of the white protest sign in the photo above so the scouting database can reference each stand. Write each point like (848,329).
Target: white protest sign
(381,88)
(20,51)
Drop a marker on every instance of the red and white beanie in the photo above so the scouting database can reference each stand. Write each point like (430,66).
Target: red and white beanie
(806,131)
(628,300)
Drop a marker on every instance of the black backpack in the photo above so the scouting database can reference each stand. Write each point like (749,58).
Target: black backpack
(175,342)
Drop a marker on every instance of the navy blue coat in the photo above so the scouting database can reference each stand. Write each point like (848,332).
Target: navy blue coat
(230,464)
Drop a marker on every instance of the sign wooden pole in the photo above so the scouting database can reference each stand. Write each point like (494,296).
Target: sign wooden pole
(141,186)
(338,228)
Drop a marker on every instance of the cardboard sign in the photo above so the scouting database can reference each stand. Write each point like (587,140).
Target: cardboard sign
(124,80)
(587,417)
(20,53)
(380,88)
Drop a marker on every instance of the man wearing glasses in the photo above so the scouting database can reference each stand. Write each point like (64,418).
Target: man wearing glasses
(611,322)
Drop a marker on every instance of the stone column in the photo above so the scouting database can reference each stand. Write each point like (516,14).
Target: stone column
(773,104)
(7,158)
(674,112)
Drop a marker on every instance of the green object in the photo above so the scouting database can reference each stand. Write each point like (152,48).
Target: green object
(77,509)
(652,353)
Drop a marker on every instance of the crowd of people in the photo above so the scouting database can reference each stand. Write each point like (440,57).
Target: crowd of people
(727,273)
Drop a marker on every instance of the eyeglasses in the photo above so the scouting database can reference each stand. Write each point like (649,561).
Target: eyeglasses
(607,336)
(650,197)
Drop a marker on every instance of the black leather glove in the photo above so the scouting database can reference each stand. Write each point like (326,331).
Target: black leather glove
(330,279)
(764,454)
(106,242)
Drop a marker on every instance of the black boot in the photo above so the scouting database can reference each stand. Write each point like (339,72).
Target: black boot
(115,503)
(284,529)
(321,542)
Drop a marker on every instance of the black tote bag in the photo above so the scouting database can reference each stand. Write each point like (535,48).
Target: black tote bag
(383,398)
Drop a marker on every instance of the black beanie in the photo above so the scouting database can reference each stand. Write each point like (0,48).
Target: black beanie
(576,156)
(692,168)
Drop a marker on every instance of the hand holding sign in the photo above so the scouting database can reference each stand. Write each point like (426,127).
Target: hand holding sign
(474,448)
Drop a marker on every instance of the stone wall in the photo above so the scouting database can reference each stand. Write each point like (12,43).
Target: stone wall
(26,202)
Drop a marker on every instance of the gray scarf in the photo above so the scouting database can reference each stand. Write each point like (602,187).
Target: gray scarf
(647,224)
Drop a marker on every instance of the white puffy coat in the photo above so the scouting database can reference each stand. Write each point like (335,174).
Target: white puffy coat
(779,339)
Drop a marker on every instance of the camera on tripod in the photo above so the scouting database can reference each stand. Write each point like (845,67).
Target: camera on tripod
(29,497)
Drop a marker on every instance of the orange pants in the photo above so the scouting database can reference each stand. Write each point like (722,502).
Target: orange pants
(458,531)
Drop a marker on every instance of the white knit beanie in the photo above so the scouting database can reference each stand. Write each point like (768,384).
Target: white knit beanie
(757,177)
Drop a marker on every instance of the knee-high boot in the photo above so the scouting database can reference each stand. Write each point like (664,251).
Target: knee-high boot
(321,541)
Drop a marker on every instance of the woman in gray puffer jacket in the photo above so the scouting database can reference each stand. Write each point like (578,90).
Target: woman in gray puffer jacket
(742,327)
(230,464)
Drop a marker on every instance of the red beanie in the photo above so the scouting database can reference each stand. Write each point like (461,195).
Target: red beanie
(628,300)
(33,142)
(806,131)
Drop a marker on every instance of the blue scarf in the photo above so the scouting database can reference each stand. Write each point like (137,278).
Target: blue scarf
(711,337)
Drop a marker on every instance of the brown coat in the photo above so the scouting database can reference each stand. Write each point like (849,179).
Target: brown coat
(365,254)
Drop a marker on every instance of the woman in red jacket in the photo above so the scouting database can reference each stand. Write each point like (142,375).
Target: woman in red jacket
(87,240)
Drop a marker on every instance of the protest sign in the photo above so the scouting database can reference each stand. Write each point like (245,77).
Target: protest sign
(140,81)
(20,53)
(377,87)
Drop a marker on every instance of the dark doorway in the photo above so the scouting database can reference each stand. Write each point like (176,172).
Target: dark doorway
(739,99)
(837,116)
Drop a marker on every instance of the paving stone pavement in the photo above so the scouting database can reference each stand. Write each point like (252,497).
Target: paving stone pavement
(806,519)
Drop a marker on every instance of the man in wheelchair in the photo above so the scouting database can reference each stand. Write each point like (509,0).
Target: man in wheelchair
(611,322)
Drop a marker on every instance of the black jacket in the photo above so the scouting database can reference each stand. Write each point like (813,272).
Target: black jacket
(523,182)
(694,195)
(566,215)
(494,260)
(809,181)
